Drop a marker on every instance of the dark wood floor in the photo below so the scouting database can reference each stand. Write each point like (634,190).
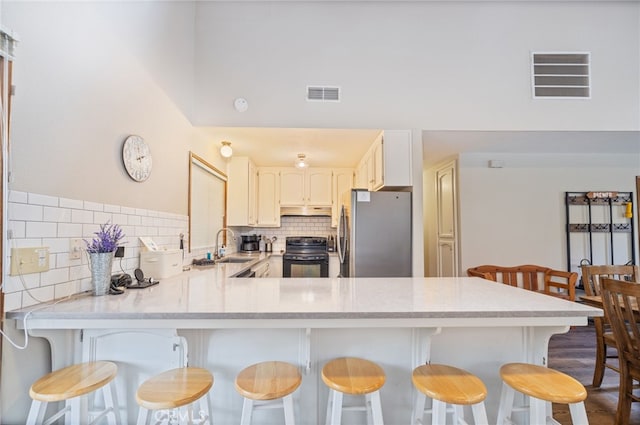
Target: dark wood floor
(574,354)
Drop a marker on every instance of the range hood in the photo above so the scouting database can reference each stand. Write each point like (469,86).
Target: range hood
(306,211)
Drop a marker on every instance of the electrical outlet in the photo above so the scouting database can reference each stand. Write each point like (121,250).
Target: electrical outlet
(29,260)
(75,249)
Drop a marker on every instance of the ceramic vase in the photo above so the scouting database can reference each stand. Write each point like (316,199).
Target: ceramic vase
(100,265)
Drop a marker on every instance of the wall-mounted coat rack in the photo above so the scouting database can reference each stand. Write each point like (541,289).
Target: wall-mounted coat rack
(599,228)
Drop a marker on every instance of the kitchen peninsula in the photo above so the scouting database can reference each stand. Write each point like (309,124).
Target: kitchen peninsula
(230,323)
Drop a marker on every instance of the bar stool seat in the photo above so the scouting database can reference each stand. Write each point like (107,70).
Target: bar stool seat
(353,376)
(267,383)
(173,389)
(543,385)
(69,384)
(448,385)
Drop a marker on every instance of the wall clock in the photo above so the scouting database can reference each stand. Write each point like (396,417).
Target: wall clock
(136,157)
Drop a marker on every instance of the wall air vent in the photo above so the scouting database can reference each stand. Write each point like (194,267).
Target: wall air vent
(561,75)
(323,94)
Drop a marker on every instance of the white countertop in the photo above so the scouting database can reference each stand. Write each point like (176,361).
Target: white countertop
(206,294)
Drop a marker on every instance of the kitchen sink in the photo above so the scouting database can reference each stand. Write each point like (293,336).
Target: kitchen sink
(234,260)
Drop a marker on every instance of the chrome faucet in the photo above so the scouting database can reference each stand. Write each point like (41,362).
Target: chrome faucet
(216,254)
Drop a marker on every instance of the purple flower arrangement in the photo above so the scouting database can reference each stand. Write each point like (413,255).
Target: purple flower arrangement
(106,240)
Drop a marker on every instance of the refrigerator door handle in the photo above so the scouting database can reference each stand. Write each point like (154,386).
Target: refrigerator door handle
(341,231)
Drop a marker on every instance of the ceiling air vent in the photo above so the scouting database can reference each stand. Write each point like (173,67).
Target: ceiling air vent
(561,75)
(323,94)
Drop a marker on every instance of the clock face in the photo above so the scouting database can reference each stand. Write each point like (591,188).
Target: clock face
(136,156)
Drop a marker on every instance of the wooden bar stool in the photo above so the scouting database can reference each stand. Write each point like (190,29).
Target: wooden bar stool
(448,385)
(543,386)
(172,390)
(354,376)
(68,385)
(267,383)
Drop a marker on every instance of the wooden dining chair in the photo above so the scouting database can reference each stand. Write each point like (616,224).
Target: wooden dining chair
(620,300)
(591,280)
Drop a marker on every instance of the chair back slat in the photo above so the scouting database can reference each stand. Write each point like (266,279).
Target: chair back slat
(620,299)
(531,277)
(593,275)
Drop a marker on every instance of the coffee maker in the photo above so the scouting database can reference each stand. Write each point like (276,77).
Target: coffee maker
(250,243)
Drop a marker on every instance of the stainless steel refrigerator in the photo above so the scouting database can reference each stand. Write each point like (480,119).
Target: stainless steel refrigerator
(374,234)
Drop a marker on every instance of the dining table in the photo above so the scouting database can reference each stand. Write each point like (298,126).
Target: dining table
(596,301)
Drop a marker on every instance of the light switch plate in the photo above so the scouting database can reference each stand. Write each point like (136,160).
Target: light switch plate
(75,249)
(29,260)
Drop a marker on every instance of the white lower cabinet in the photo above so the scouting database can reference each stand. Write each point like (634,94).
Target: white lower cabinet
(334,265)
(275,266)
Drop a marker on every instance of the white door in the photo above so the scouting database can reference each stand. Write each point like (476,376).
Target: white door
(446,221)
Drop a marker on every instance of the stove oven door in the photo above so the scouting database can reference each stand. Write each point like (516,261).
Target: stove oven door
(296,267)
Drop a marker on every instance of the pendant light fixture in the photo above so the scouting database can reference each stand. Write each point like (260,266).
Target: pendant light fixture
(301,161)
(226,150)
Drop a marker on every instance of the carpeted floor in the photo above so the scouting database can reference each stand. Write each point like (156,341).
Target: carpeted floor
(574,354)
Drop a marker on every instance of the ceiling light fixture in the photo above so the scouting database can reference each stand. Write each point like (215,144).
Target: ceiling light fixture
(300,162)
(226,150)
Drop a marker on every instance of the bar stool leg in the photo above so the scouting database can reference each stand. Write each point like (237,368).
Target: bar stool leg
(189,411)
(506,403)
(458,413)
(74,410)
(287,402)
(418,408)
(368,409)
(479,414)
(204,412)
(376,407)
(111,402)
(537,411)
(247,410)
(36,412)
(336,408)
(327,420)
(438,412)
(578,413)
(143,416)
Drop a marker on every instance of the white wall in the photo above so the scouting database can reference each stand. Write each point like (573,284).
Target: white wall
(90,73)
(516,214)
(428,65)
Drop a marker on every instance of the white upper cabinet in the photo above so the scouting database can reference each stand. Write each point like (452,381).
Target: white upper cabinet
(396,160)
(241,192)
(342,182)
(387,163)
(377,164)
(268,198)
(361,178)
(319,187)
(292,193)
(308,187)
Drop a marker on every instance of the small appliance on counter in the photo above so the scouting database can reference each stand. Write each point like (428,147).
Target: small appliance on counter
(159,263)
(331,243)
(250,243)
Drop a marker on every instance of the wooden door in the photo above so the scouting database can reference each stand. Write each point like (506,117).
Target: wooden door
(446,221)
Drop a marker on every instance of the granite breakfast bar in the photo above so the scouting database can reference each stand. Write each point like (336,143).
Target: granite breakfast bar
(230,323)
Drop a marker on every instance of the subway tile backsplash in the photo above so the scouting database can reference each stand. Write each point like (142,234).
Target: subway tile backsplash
(290,226)
(36,220)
